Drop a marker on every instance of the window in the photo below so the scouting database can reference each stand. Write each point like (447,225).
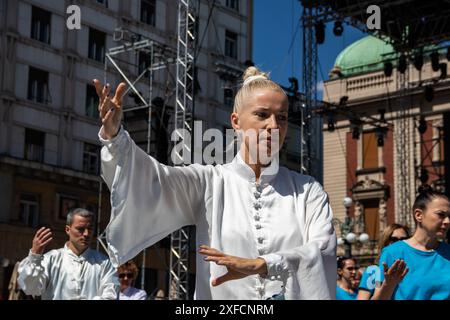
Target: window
(231,44)
(233,4)
(29,210)
(91,155)
(38,86)
(41,25)
(34,145)
(97,40)
(371,219)
(65,204)
(370,150)
(92,102)
(148,12)
(144,63)
(228,97)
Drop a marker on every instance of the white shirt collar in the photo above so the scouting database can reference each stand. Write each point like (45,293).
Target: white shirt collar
(81,257)
(242,169)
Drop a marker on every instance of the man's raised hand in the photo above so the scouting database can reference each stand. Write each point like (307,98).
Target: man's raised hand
(110,109)
(41,239)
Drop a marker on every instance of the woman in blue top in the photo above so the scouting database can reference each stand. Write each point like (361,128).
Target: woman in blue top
(369,280)
(425,254)
(346,269)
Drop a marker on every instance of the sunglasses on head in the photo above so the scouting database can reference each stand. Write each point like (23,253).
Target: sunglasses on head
(128,275)
(395,239)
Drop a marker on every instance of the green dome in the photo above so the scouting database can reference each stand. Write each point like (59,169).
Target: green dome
(364,55)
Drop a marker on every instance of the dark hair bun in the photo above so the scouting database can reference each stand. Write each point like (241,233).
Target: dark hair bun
(425,189)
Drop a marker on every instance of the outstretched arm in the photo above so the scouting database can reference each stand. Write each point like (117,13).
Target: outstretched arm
(149,200)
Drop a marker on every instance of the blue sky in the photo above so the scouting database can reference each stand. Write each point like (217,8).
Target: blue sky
(277,44)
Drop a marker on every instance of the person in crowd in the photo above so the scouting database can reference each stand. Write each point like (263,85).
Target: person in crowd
(346,270)
(263,231)
(391,234)
(357,280)
(74,272)
(127,275)
(425,254)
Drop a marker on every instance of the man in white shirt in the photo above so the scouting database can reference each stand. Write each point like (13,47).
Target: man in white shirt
(74,272)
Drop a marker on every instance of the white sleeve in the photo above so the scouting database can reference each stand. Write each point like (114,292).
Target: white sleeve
(33,276)
(313,264)
(109,283)
(149,200)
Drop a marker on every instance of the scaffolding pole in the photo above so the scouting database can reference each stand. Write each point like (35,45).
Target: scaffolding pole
(310,61)
(184,104)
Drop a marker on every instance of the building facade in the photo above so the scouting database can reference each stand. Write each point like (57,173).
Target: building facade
(385,136)
(49,150)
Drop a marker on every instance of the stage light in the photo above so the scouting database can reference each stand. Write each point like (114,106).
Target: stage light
(380,141)
(423,126)
(429,93)
(294,84)
(331,123)
(320,32)
(382,112)
(418,62)
(435,61)
(443,67)
(380,137)
(338,28)
(388,67)
(356,132)
(402,64)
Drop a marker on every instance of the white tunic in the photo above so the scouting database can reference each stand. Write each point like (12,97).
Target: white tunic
(132,293)
(285,219)
(62,275)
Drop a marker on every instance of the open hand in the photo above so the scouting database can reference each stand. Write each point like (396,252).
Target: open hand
(41,239)
(237,268)
(110,109)
(395,274)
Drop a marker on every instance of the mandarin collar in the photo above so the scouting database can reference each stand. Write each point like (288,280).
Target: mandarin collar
(81,257)
(246,172)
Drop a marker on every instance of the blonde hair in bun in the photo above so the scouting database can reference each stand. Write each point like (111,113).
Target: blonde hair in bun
(254,79)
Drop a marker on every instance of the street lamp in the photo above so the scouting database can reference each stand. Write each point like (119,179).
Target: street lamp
(348,237)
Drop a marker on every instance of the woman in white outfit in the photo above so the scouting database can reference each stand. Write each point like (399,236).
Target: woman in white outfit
(263,231)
